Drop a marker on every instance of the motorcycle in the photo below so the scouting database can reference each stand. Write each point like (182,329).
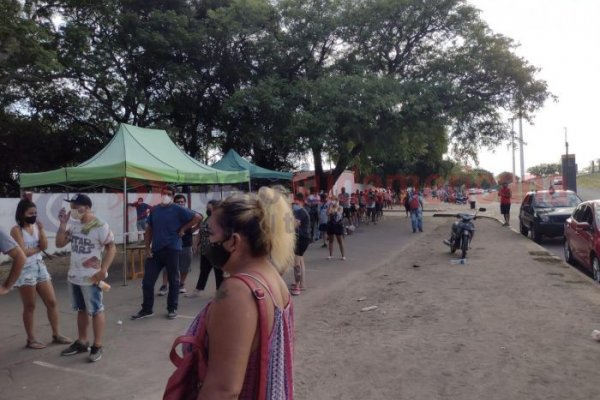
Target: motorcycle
(462,232)
(460,199)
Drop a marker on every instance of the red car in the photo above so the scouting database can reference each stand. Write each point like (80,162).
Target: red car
(582,237)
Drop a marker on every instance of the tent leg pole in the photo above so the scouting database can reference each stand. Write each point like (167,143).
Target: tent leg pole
(249,185)
(124,231)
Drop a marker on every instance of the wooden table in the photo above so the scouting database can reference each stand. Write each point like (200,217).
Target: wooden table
(136,258)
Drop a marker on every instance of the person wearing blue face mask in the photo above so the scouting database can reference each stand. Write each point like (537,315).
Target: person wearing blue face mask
(167,224)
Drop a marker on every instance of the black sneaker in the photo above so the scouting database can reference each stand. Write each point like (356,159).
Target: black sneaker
(142,314)
(95,353)
(75,348)
(172,314)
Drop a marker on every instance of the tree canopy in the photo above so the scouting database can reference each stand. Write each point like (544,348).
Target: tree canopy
(544,170)
(380,86)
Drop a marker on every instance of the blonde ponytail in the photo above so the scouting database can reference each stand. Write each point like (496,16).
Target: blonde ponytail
(278,227)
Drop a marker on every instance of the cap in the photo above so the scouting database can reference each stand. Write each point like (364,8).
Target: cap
(81,200)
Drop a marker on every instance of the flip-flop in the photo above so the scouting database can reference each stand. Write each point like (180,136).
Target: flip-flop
(34,344)
(60,339)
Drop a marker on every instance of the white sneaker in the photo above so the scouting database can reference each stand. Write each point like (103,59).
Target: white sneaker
(182,290)
(195,293)
(163,290)
(329,257)
(343,258)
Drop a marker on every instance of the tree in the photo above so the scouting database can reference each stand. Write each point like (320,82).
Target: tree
(507,177)
(544,170)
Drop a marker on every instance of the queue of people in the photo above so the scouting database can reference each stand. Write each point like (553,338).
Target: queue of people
(244,236)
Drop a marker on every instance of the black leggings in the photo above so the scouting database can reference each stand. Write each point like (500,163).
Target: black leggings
(205,267)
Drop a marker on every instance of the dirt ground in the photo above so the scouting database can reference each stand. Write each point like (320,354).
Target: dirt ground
(512,323)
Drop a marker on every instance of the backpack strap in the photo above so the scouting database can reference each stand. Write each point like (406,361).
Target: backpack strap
(259,295)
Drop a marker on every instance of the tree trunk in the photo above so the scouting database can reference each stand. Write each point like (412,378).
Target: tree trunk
(343,161)
(321,183)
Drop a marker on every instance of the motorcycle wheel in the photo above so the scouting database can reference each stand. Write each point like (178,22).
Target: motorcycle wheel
(464,246)
(453,245)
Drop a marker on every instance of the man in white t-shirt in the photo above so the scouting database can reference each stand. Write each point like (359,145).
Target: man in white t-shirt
(10,247)
(92,252)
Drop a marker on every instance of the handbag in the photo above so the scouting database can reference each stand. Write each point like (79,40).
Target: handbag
(186,380)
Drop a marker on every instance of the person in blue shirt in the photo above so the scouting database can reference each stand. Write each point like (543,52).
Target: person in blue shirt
(167,224)
(142,210)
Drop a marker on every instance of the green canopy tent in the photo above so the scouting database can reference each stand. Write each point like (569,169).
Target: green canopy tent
(232,161)
(133,157)
(136,154)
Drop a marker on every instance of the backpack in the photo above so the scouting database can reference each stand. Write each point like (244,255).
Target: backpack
(186,380)
(414,202)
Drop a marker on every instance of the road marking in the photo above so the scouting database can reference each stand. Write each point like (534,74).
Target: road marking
(185,316)
(71,370)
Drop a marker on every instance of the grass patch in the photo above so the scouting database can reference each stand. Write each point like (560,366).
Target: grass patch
(589,181)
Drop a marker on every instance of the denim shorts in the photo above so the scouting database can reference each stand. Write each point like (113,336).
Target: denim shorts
(86,298)
(141,225)
(33,274)
(185,260)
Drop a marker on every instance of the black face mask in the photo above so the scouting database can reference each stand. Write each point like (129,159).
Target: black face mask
(217,255)
(30,220)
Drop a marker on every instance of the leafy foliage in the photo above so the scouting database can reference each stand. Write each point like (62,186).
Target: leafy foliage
(380,86)
(544,170)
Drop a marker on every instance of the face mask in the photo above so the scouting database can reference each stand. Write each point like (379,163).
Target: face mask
(208,212)
(76,214)
(217,255)
(30,220)
(166,199)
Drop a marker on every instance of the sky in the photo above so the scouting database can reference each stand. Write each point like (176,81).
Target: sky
(562,39)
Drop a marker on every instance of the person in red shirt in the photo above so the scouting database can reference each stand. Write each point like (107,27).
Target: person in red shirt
(505,195)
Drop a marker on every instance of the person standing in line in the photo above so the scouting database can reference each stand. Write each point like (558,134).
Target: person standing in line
(92,252)
(302,241)
(313,208)
(11,248)
(335,227)
(371,207)
(185,256)
(344,201)
(505,195)
(250,235)
(205,264)
(405,203)
(167,223)
(416,210)
(142,211)
(323,218)
(35,280)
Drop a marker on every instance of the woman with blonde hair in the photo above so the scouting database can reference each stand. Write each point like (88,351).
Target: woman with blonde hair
(335,227)
(251,236)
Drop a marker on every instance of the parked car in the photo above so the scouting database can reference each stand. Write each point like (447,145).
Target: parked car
(544,212)
(582,237)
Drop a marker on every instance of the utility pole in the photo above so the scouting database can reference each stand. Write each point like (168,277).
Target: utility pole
(512,141)
(521,147)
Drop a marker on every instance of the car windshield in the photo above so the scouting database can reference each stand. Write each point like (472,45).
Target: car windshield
(556,199)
